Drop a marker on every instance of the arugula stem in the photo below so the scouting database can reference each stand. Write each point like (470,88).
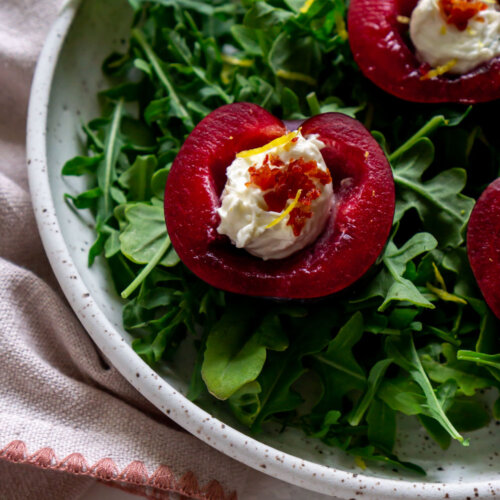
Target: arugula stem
(392,270)
(492,360)
(153,59)
(201,75)
(428,128)
(341,368)
(374,379)
(370,110)
(407,357)
(146,270)
(266,99)
(93,137)
(110,155)
(424,194)
(313,103)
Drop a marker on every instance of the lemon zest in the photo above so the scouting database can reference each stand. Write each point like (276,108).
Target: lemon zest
(341,29)
(444,295)
(360,462)
(293,75)
(443,29)
(403,19)
(280,141)
(307,5)
(441,292)
(225,75)
(286,211)
(234,61)
(440,70)
(438,276)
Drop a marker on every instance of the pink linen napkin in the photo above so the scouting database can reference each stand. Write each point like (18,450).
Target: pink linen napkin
(66,417)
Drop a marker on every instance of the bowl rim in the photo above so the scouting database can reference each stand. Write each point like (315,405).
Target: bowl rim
(212,431)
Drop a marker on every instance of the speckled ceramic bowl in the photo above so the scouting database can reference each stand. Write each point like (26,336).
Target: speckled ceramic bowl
(67,78)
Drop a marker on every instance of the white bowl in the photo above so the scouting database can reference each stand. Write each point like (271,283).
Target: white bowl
(63,96)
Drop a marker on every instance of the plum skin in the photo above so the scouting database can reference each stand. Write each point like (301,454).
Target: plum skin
(353,237)
(379,49)
(483,244)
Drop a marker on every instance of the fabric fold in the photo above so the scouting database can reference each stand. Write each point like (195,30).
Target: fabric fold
(66,417)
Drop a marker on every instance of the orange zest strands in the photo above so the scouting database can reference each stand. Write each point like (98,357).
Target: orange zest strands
(234,61)
(280,141)
(459,12)
(440,70)
(295,76)
(281,182)
(341,27)
(286,211)
(306,6)
(403,19)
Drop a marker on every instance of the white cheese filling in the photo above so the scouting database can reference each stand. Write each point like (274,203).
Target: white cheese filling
(244,215)
(441,44)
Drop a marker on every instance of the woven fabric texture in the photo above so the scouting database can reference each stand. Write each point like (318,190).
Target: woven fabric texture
(67,417)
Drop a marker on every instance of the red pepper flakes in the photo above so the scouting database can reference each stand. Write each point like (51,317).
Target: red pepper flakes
(459,12)
(281,183)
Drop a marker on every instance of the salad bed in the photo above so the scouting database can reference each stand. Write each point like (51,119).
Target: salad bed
(413,337)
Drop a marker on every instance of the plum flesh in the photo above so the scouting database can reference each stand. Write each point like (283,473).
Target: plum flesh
(353,237)
(379,47)
(483,245)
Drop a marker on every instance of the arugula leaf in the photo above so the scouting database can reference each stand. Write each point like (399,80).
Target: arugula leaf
(403,395)
(442,208)
(331,420)
(81,165)
(381,421)
(291,105)
(87,199)
(337,366)
(201,7)
(257,90)
(287,56)
(145,236)
(106,170)
(138,178)
(468,415)
(376,375)
(402,351)
(283,369)
(158,181)
(262,16)
(247,38)
(232,357)
(179,45)
(176,105)
(390,283)
(245,403)
(453,369)
(370,453)
(145,241)
(433,124)
(489,360)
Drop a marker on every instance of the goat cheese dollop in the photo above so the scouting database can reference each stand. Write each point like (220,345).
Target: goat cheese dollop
(277,198)
(456,35)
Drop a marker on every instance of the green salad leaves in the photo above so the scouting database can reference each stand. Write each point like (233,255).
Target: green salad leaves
(413,337)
